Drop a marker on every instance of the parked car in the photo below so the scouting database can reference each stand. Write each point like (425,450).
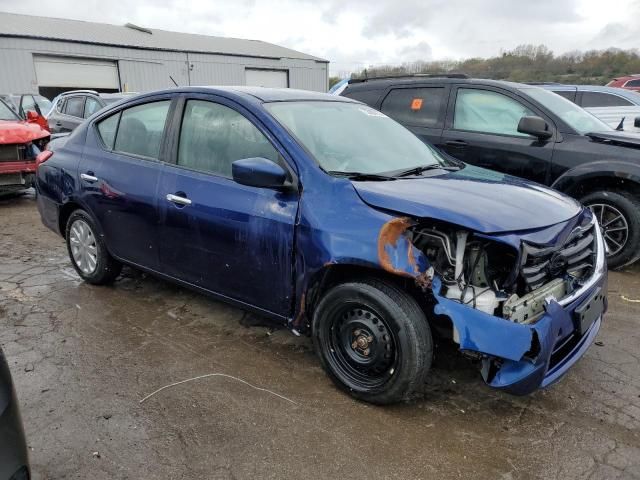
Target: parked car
(614,106)
(21,141)
(528,132)
(22,103)
(326,216)
(71,108)
(14,463)
(631,82)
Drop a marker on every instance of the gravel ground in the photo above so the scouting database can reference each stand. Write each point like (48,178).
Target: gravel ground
(84,357)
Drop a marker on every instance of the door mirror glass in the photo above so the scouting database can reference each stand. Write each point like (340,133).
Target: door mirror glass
(636,122)
(258,172)
(535,126)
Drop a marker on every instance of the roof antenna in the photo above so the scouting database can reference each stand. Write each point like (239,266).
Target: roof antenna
(174,82)
(620,126)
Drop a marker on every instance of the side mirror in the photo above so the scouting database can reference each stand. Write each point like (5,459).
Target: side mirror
(535,126)
(636,122)
(258,172)
(32,117)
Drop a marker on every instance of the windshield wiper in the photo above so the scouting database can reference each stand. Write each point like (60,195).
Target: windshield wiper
(360,176)
(423,168)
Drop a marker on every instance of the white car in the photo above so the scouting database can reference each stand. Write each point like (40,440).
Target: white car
(609,104)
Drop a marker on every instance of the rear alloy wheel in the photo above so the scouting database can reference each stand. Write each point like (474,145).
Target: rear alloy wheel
(87,251)
(373,340)
(618,214)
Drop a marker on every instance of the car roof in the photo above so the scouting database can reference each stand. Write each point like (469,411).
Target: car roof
(621,92)
(384,82)
(259,94)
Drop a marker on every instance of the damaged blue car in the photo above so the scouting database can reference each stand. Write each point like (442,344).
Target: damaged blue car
(324,215)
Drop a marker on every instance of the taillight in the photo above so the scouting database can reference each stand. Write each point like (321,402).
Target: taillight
(43,157)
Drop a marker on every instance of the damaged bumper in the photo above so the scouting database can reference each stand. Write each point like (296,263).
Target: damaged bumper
(520,358)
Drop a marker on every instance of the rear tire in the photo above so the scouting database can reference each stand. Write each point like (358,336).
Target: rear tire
(87,251)
(373,341)
(618,213)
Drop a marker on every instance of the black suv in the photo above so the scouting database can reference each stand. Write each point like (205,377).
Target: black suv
(526,131)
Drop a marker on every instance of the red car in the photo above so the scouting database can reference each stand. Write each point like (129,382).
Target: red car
(630,82)
(21,144)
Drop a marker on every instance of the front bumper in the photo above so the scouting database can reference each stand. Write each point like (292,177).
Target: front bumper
(520,358)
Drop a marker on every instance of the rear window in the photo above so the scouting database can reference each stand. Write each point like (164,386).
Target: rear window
(416,107)
(370,97)
(599,99)
(632,83)
(568,94)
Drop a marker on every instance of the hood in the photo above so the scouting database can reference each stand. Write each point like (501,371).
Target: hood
(624,139)
(20,132)
(474,198)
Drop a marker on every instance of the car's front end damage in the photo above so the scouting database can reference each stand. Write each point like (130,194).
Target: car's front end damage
(525,304)
(20,145)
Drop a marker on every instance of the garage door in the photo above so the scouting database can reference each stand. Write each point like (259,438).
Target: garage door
(76,73)
(267,78)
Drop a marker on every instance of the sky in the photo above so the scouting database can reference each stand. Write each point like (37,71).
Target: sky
(354,34)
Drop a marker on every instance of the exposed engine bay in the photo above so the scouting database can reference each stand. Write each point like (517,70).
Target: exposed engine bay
(497,279)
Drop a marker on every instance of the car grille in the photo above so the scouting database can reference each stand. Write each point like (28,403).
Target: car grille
(576,258)
(12,153)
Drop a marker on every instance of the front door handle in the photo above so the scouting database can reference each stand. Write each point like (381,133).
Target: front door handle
(456,143)
(178,200)
(88,177)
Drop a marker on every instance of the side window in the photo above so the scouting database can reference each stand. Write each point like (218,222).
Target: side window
(488,112)
(370,97)
(417,107)
(213,136)
(91,106)
(141,128)
(60,105)
(632,83)
(599,99)
(107,130)
(74,106)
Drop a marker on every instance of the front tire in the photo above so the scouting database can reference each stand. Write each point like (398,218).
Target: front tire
(87,251)
(618,214)
(373,341)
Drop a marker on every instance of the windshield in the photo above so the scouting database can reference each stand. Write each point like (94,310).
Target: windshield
(350,137)
(574,116)
(6,113)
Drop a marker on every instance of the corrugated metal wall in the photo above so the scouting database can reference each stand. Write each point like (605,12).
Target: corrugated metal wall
(145,70)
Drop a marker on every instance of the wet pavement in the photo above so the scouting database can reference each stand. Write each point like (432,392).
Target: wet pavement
(84,357)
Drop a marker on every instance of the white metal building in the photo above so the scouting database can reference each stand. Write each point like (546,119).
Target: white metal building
(50,55)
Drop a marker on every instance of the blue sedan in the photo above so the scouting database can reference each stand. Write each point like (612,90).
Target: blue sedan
(326,216)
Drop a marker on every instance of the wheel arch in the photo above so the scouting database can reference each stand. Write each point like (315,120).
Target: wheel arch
(336,273)
(601,175)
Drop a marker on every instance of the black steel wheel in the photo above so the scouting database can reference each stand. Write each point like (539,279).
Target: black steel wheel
(373,340)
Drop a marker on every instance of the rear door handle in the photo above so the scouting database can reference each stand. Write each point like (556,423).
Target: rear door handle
(88,177)
(456,143)
(178,200)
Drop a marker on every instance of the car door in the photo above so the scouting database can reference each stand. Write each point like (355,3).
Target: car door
(227,238)
(482,129)
(119,175)
(419,108)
